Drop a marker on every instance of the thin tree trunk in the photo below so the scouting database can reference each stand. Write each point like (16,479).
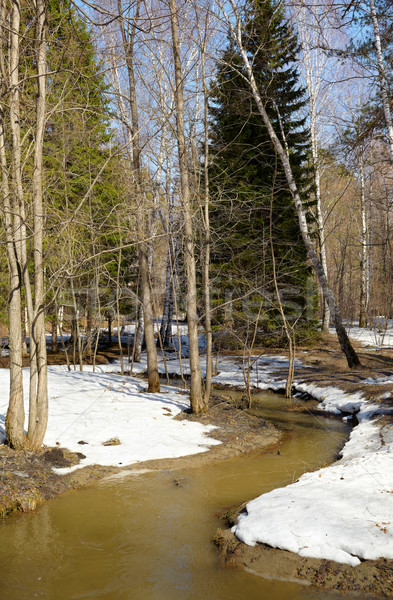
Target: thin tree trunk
(206,225)
(38,405)
(322,246)
(168,290)
(363,262)
(310,24)
(196,399)
(320,223)
(139,333)
(118,299)
(370,254)
(109,320)
(76,331)
(152,366)
(172,307)
(54,344)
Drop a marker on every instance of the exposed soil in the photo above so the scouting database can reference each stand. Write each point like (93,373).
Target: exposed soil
(27,479)
(371,578)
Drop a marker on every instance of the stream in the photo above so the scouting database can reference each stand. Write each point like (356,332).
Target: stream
(148,536)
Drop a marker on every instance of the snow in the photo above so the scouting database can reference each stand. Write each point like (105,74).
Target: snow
(380,334)
(343,512)
(95,407)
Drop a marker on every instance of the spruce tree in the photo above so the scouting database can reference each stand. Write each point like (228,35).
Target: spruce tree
(253,201)
(77,145)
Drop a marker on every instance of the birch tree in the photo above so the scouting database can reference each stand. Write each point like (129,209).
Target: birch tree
(315,31)
(17,224)
(233,21)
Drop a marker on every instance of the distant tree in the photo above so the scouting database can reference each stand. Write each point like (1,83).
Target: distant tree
(371,45)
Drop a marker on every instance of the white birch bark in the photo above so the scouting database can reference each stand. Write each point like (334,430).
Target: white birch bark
(314,63)
(382,77)
(345,344)
(363,262)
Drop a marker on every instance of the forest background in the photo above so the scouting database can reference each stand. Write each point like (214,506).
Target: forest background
(229,162)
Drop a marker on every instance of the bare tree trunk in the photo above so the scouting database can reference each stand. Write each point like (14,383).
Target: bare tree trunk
(172,307)
(15,418)
(25,331)
(206,223)
(109,320)
(77,343)
(345,343)
(309,21)
(370,247)
(16,236)
(15,413)
(38,406)
(167,299)
(197,402)
(152,366)
(363,262)
(320,221)
(322,244)
(54,344)
(118,299)
(139,334)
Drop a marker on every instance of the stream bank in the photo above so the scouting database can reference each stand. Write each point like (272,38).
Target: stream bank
(27,479)
(367,395)
(371,577)
(306,376)
(149,536)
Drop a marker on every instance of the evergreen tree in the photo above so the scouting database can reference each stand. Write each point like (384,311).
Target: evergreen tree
(77,145)
(253,201)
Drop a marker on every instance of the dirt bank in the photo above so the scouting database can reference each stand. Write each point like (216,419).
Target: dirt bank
(27,479)
(371,577)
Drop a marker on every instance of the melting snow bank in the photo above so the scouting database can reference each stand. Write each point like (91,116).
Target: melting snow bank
(111,420)
(343,512)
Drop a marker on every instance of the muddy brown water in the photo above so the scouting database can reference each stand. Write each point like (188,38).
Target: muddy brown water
(148,537)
